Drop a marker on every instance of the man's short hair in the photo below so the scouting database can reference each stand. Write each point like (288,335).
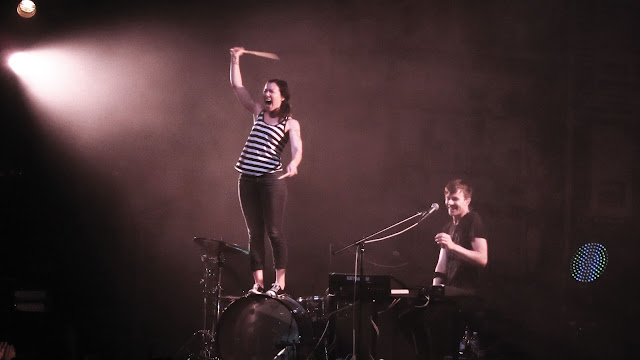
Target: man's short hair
(458,184)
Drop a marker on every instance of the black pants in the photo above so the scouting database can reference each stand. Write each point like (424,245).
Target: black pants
(263,200)
(436,329)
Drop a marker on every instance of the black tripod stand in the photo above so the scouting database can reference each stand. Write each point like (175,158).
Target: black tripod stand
(202,344)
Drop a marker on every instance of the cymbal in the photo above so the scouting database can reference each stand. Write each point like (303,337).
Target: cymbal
(215,245)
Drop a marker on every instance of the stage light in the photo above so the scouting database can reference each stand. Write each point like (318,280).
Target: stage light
(589,262)
(49,76)
(26,9)
(26,64)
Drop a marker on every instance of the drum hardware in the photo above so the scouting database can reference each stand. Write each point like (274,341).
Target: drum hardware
(316,307)
(285,347)
(202,345)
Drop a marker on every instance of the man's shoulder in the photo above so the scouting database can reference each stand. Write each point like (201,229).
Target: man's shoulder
(475,215)
(471,217)
(472,220)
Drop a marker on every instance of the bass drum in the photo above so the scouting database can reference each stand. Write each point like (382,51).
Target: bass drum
(261,327)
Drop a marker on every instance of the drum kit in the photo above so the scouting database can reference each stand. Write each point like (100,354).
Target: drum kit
(258,327)
(254,327)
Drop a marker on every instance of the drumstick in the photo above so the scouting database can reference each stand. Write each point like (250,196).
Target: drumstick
(262,54)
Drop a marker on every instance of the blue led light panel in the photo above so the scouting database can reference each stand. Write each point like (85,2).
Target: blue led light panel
(589,262)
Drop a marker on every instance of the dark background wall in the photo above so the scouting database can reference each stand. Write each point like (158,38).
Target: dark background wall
(106,182)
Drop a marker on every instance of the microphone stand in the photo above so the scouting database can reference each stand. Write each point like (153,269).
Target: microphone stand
(359,290)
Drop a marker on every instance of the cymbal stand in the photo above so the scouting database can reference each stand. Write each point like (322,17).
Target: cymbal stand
(212,290)
(207,281)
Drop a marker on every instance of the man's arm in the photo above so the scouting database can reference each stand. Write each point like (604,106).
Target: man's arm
(439,277)
(478,255)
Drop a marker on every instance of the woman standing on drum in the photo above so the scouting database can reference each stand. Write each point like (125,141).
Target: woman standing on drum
(261,186)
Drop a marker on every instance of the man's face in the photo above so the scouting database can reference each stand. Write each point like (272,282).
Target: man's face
(457,204)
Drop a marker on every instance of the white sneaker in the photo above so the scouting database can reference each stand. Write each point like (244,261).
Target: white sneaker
(274,291)
(256,289)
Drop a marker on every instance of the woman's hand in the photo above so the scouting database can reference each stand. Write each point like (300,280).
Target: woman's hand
(236,52)
(291,171)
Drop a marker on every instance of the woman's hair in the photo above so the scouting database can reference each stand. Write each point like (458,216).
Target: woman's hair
(285,108)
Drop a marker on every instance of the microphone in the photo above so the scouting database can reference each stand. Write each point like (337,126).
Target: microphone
(434,208)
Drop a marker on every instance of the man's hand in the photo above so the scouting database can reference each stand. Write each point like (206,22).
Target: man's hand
(445,241)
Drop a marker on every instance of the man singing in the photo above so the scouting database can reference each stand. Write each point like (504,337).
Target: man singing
(436,329)
(463,243)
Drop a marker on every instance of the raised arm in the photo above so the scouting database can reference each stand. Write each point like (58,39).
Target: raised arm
(296,148)
(236,82)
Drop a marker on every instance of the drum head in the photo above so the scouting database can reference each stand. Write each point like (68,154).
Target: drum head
(259,327)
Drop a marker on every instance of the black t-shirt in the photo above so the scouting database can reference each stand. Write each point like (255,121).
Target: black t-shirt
(460,273)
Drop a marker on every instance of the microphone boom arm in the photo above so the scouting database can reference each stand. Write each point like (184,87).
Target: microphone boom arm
(368,239)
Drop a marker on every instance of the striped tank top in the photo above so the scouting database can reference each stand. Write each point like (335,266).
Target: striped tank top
(261,153)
